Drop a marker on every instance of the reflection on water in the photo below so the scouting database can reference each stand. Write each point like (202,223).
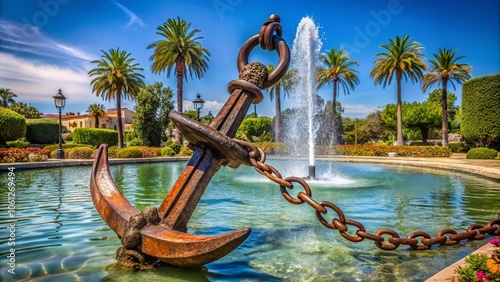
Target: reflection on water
(61,237)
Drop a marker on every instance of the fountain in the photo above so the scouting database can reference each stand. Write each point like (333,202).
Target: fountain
(305,54)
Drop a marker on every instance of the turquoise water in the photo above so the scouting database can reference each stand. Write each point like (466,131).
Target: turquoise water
(61,237)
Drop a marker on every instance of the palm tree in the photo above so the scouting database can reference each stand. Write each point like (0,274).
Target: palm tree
(115,77)
(339,71)
(402,59)
(180,50)
(97,111)
(446,69)
(7,97)
(284,84)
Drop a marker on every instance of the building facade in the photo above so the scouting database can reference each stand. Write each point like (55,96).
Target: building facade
(110,120)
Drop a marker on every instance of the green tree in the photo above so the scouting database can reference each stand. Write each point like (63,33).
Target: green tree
(207,119)
(375,127)
(26,110)
(285,84)
(179,50)
(422,116)
(116,77)
(7,97)
(338,70)
(445,68)
(153,104)
(97,111)
(255,129)
(402,59)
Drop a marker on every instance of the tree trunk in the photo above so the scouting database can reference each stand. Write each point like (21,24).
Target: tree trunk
(444,104)
(399,111)
(180,69)
(335,138)
(425,133)
(277,125)
(96,120)
(119,117)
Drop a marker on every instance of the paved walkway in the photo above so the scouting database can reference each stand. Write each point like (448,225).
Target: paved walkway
(457,162)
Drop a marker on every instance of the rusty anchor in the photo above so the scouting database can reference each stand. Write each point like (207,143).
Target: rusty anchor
(161,233)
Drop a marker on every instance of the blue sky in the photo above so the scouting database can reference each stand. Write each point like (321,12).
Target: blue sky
(48,44)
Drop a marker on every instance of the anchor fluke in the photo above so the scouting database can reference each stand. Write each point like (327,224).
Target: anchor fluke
(170,246)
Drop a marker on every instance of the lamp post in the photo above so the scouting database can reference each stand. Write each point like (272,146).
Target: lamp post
(60,101)
(198,104)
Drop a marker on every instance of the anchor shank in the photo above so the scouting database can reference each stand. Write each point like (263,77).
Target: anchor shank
(185,194)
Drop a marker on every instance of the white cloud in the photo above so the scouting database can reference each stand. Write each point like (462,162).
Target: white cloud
(29,39)
(212,106)
(37,82)
(357,110)
(134,19)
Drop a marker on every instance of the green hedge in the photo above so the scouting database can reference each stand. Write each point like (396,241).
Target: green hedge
(95,136)
(42,131)
(80,153)
(130,152)
(66,146)
(481,153)
(12,124)
(481,111)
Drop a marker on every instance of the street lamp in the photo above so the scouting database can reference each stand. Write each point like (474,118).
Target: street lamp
(198,104)
(59,101)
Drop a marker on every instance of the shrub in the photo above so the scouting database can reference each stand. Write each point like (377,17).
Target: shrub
(157,150)
(112,151)
(146,152)
(254,128)
(458,147)
(20,143)
(481,153)
(130,152)
(176,146)
(481,111)
(498,156)
(378,150)
(167,151)
(95,136)
(42,131)
(66,146)
(185,151)
(32,157)
(13,125)
(80,153)
(135,142)
(13,155)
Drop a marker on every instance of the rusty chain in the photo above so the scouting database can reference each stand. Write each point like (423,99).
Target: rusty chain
(385,239)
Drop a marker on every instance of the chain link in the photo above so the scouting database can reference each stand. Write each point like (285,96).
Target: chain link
(385,239)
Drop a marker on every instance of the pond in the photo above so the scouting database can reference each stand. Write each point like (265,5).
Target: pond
(61,237)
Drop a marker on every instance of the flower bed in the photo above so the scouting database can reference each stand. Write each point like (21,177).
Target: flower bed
(30,154)
(481,267)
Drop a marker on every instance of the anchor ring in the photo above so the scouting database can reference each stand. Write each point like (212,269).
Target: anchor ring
(283,61)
